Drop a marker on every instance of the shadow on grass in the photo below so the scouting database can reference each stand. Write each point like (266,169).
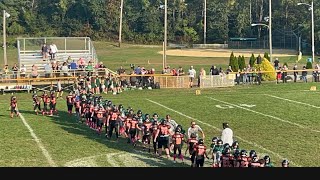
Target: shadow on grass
(70,124)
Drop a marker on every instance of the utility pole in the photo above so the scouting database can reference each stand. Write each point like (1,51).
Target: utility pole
(120,25)
(205,23)
(270,30)
(165,32)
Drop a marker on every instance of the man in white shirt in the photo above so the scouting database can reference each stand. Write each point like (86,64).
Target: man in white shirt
(53,51)
(192,75)
(195,129)
(23,71)
(227,134)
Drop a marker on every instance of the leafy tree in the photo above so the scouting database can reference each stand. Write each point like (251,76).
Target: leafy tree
(309,65)
(252,60)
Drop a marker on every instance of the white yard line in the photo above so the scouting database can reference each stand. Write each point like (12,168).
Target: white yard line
(266,115)
(218,129)
(40,145)
(292,101)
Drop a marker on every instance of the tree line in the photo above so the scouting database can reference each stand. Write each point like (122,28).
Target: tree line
(143,20)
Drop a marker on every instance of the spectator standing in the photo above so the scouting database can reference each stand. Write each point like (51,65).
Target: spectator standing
(276,63)
(6,71)
(192,74)
(227,134)
(295,73)
(44,52)
(53,51)
(23,71)
(194,128)
(229,70)
(284,73)
(180,71)
(202,75)
(15,70)
(214,70)
(304,74)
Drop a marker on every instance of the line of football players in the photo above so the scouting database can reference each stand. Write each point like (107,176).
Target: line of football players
(153,133)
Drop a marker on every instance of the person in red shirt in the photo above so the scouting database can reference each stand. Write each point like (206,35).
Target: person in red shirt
(177,140)
(191,143)
(70,102)
(36,104)
(13,106)
(53,103)
(200,153)
(146,139)
(163,133)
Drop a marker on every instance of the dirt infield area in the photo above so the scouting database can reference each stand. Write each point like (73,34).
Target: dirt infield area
(227,52)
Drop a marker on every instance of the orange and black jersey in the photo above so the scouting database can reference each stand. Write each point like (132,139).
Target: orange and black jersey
(127,122)
(77,104)
(227,160)
(36,101)
(101,113)
(147,127)
(192,142)
(48,100)
(53,100)
(44,98)
(164,130)
(200,149)
(70,99)
(177,138)
(13,103)
(134,124)
(113,116)
(154,130)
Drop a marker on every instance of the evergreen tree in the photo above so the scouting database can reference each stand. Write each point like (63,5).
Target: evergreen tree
(252,60)
(266,55)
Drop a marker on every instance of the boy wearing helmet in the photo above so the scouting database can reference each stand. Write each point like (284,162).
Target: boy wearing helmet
(146,139)
(13,106)
(163,133)
(191,143)
(285,163)
(177,141)
(53,103)
(36,104)
(200,153)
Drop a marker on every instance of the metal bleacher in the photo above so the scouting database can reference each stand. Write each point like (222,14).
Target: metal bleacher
(29,50)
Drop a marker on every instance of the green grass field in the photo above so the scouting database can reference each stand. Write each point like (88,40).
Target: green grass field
(276,119)
(280,120)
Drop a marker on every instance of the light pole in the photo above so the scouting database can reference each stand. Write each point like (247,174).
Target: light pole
(205,23)
(270,30)
(270,37)
(312,24)
(5,15)
(165,33)
(120,25)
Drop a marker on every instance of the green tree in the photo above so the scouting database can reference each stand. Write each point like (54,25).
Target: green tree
(241,61)
(309,65)
(266,55)
(252,60)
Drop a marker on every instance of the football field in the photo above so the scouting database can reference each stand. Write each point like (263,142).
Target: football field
(281,120)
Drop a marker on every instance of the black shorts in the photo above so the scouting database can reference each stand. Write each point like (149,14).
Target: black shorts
(100,122)
(146,138)
(133,132)
(13,110)
(163,141)
(88,115)
(78,110)
(53,106)
(36,106)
